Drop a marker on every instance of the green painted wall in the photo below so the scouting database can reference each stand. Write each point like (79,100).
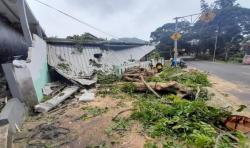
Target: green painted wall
(40,82)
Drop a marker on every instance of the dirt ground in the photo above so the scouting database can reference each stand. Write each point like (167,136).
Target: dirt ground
(81,133)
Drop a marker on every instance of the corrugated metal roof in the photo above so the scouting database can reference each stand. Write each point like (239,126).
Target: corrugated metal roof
(74,63)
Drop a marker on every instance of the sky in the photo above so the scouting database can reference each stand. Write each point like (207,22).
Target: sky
(121,18)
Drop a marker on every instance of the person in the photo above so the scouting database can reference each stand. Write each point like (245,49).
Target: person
(173,62)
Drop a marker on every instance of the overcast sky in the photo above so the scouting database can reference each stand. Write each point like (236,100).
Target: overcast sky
(122,18)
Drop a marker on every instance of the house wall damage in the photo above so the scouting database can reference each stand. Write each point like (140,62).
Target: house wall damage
(23,57)
(38,66)
(26,75)
(79,63)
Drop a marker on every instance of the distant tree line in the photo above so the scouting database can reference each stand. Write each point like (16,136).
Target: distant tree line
(231,27)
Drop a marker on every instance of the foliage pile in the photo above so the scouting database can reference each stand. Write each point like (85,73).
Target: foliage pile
(189,79)
(192,122)
(180,122)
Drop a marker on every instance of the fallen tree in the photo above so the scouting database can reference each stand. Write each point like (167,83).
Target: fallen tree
(168,87)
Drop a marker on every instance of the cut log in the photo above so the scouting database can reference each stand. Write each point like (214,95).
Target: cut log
(171,86)
(52,103)
(129,79)
(133,74)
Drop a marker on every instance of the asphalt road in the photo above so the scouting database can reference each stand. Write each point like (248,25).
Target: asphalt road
(237,74)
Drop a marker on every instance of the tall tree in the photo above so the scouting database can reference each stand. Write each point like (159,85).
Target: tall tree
(231,24)
(204,6)
(225,3)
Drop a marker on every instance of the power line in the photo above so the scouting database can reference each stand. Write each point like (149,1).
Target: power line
(76,19)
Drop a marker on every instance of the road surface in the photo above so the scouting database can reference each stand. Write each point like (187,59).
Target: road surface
(237,74)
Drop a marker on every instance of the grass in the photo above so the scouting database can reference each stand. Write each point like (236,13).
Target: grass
(120,125)
(191,122)
(91,112)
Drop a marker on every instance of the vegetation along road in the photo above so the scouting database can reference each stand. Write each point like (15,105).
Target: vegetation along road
(234,73)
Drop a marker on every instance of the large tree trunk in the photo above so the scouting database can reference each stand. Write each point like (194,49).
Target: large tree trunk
(171,86)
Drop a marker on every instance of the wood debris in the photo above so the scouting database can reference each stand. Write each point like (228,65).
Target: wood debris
(134,74)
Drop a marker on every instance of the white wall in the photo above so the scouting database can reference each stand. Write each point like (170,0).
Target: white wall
(38,66)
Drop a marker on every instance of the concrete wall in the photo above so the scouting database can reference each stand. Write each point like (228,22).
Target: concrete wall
(26,82)
(38,66)
(15,112)
(20,83)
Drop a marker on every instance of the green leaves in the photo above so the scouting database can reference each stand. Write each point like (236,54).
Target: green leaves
(190,79)
(190,121)
(119,125)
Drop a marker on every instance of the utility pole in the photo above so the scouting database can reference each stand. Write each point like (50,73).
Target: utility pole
(216,42)
(176,41)
(176,29)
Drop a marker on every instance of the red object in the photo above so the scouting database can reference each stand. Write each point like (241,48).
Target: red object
(239,123)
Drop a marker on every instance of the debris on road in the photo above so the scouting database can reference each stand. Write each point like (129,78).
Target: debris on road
(50,104)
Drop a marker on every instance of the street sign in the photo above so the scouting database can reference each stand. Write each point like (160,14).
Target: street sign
(176,36)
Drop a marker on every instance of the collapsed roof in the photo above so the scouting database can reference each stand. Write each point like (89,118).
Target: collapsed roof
(78,63)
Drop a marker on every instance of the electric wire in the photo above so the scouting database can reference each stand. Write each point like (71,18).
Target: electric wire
(76,19)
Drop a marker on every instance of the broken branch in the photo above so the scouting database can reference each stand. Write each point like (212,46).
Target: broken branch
(142,79)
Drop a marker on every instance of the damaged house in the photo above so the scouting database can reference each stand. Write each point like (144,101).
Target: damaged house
(26,55)
(79,62)
(24,70)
